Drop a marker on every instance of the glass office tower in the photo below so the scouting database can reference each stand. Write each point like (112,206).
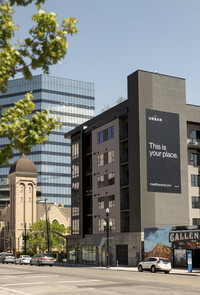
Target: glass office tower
(73,102)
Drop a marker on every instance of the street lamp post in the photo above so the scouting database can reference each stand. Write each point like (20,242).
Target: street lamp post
(107,227)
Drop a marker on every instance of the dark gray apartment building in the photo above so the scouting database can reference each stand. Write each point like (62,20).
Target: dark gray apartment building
(140,159)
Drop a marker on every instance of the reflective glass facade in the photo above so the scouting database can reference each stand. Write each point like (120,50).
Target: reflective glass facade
(73,102)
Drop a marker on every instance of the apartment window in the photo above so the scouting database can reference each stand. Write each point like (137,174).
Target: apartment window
(111,156)
(75,211)
(105,135)
(194,134)
(196,202)
(75,187)
(106,158)
(75,150)
(196,221)
(195,180)
(101,181)
(107,179)
(111,201)
(100,137)
(100,160)
(75,170)
(101,203)
(111,132)
(111,178)
(100,224)
(113,223)
(75,226)
(195,159)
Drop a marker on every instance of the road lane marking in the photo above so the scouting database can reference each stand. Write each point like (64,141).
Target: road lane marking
(22,284)
(15,291)
(78,281)
(45,276)
(15,273)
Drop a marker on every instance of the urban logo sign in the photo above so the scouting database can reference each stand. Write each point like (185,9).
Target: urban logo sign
(184,236)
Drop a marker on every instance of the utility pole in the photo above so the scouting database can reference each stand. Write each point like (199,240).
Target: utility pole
(47,225)
(25,238)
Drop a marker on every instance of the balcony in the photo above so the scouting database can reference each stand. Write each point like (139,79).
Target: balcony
(124,182)
(123,135)
(193,143)
(124,158)
(88,191)
(88,170)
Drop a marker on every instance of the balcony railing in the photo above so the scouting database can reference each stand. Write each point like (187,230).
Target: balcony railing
(124,135)
(194,141)
(125,205)
(124,158)
(124,182)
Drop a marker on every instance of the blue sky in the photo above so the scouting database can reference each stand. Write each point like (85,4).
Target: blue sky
(117,37)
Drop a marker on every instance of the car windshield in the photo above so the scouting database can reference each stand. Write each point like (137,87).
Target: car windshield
(26,256)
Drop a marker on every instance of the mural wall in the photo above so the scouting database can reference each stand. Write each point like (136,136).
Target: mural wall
(172,243)
(156,242)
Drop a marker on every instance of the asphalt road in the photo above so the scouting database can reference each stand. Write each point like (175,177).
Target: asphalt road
(31,280)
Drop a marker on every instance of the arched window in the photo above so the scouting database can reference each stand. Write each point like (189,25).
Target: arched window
(29,188)
(21,188)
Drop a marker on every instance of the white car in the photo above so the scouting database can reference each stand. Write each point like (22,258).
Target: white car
(23,259)
(155,264)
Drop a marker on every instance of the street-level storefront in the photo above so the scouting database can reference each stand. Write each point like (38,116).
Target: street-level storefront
(124,250)
(183,239)
(173,242)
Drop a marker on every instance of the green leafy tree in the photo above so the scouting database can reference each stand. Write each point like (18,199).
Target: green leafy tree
(69,230)
(45,45)
(37,237)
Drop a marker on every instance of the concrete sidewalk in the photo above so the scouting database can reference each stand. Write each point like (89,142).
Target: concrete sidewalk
(174,271)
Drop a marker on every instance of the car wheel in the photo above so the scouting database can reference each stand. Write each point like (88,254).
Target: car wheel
(20,263)
(140,269)
(166,271)
(31,264)
(153,269)
(15,263)
(3,262)
(38,263)
(6,262)
(51,265)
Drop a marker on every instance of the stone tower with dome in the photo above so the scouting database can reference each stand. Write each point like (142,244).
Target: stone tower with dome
(23,183)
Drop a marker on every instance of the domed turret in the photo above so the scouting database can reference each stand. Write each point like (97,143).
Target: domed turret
(23,164)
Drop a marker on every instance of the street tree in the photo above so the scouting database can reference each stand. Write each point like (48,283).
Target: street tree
(45,45)
(38,239)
